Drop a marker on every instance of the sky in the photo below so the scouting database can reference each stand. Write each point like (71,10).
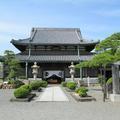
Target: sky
(97,19)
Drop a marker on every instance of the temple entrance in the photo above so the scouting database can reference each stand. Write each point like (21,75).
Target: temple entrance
(54,79)
(53,76)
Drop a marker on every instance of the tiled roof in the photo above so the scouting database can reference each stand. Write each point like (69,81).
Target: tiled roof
(57,36)
(53,58)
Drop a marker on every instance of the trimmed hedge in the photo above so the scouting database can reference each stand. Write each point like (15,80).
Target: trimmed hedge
(44,83)
(35,85)
(21,92)
(64,84)
(27,87)
(82,94)
(71,85)
(82,91)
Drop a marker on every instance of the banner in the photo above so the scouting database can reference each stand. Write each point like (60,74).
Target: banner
(50,73)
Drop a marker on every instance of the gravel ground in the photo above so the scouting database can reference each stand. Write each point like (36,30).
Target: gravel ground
(57,110)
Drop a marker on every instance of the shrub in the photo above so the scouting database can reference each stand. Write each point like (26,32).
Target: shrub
(109,81)
(21,92)
(77,90)
(35,85)
(22,77)
(82,94)
(44,83)
(100,79)
(71,85)
(64,84)
(82,91)
(16,83)
(109,85)
(11,81)
(27,87)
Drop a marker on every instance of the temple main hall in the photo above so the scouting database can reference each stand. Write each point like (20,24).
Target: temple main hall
(54,49)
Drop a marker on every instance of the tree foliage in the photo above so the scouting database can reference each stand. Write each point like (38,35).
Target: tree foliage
(12,66)
(108,52)
(112,43)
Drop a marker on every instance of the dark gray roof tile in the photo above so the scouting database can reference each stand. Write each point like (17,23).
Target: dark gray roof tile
(52,36)
(56,36)
(53,58)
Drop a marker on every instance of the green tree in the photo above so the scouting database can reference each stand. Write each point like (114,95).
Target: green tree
(110,43)
(117,54)
(108,52)
(12,65)
(15,68)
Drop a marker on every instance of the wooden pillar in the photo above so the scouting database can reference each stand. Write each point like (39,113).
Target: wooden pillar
(29,53)
(81,73)
(26,70)
(78,52)
(26,64)
(115,77)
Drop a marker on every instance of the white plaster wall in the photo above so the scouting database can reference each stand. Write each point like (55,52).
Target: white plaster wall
(91,80)
(33,79)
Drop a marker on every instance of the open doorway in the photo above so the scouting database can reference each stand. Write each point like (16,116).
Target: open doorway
(53,76)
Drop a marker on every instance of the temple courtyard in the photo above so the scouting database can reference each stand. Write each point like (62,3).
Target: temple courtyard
(68,109)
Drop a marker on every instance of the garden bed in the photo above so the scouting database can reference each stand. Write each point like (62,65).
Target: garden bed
(82,99)
(69,90)
(28,99)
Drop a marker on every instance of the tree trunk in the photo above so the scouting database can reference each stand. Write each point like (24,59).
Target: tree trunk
(104,91)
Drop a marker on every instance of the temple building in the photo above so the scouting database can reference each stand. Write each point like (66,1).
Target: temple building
(54,49)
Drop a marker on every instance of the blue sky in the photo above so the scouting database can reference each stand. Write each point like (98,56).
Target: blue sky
(97,19)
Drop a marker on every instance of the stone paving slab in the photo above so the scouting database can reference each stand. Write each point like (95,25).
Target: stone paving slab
(71,110)
(53,93)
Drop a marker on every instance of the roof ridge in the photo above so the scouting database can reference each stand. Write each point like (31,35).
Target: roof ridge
(79,35)
(63,29)
(33,32)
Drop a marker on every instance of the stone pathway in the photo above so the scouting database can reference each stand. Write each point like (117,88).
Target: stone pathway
(53,93)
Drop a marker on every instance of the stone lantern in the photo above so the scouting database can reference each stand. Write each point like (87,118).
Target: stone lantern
(35,70)
(72,71)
